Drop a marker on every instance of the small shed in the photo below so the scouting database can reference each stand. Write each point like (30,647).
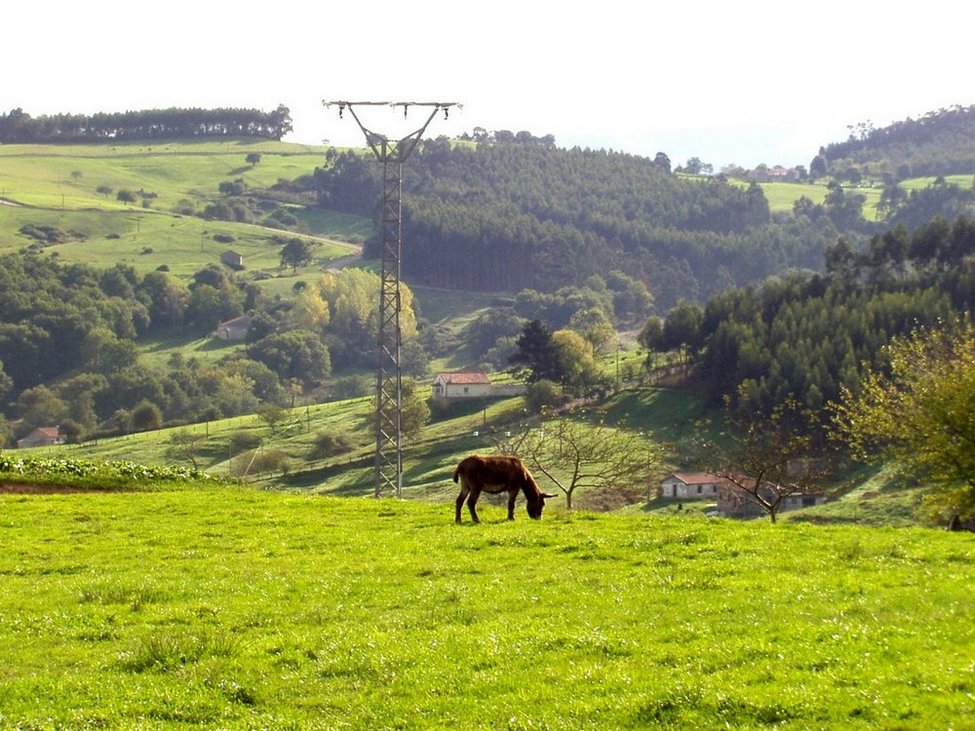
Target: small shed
(461,385)
(42,436)
(235,329)
(232,259)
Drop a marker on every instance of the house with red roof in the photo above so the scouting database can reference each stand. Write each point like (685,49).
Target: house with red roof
(42,436)
(461,385)
(692,486)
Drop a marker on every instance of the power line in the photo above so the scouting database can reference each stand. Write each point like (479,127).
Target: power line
(389,382)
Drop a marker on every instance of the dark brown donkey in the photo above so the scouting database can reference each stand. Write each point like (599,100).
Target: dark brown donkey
(478,474)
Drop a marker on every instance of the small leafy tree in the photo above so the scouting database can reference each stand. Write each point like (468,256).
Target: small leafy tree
(296,253)
(543,394)
(921,414)
(328,443)
(241,441)
(415,410)
(146,416)
(253,158)
(272,415)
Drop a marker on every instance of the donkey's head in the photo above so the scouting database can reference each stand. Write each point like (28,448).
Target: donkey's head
(536,503)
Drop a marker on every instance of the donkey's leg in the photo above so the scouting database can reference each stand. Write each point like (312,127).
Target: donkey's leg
(512,495)
(472,503)
(464,492)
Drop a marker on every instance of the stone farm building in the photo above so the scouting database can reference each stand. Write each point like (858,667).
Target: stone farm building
(42,436)
(232,259)
(235,329)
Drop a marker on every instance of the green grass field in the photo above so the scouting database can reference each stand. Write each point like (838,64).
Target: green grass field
(235,608)
(782,196)
(57,186)
(55,176)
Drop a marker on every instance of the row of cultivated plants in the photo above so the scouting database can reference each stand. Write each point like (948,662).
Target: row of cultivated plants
(94,472)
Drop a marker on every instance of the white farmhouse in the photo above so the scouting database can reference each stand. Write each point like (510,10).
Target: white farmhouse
(465,384)
(691,486)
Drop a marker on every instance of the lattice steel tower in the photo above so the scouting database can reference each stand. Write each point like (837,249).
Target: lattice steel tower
(389,383)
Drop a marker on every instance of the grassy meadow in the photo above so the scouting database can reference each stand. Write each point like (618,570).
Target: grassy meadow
(230,607)
(68,176)
(57,186)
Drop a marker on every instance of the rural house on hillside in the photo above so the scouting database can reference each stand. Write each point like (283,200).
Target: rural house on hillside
(465,384)
(731,500)
(235,329)
(691,485)
(232,259)
(42,436)
(736,503)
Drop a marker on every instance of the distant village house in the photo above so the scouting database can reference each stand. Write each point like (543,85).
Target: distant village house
(691,485)
(736,503)
(730,499)
(235,329)
(232,259)
(465,384)
(42,436)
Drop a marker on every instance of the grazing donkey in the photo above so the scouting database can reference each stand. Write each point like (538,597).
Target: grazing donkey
(478,474)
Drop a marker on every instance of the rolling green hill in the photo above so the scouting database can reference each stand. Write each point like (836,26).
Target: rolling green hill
(59,187)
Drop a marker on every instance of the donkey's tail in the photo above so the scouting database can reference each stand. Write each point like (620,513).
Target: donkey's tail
(457,473)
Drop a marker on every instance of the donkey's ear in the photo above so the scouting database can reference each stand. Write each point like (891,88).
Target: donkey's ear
(545,494)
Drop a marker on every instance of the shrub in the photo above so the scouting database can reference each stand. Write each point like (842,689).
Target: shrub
(328,444)
(543,394)
(241,441)
(145,417)
(255,462)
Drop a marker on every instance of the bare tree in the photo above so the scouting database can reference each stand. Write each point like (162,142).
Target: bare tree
(767,459)
(578,454)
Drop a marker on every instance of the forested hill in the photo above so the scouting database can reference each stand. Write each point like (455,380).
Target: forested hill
(152,124)
(503,216)
(939,143)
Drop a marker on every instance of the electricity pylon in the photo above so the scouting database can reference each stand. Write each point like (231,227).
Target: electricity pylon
(389,381)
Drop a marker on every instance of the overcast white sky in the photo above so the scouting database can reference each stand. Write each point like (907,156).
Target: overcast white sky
(729,82)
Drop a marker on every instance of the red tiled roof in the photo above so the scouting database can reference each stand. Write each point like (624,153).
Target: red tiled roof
(464,378)
(698,478)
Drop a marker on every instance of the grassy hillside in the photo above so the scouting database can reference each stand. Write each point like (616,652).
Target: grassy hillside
(58,187)
(236,608)
(782,196)
(55,176)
